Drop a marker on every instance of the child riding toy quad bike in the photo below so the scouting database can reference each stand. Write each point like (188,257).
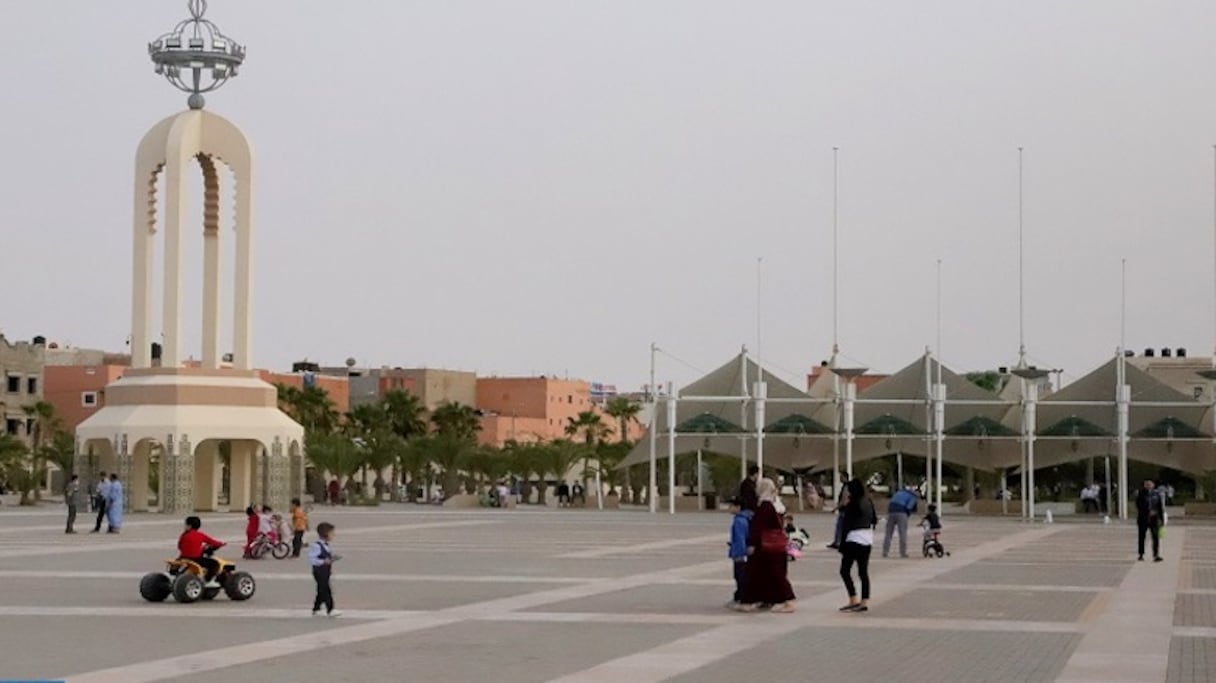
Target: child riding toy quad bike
(184,580)
(195,574)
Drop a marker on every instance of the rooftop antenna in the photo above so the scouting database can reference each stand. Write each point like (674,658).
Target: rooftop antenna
(1021,273)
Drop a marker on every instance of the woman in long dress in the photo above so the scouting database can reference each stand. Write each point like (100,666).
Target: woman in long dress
(765,577)
(114,504)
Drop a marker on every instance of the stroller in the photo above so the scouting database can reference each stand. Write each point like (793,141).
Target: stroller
(931,544)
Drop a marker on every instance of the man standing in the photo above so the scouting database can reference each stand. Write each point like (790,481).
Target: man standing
(1150,510)
(114,505)
(748,500)
(902,504)
(71,496)
(100,496)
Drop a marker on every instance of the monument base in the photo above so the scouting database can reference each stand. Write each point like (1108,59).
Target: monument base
(175,436)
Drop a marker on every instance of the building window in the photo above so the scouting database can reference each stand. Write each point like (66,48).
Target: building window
(12,426)
(29,426)
(570,399)
(88,399)
(14,384)
(31,385)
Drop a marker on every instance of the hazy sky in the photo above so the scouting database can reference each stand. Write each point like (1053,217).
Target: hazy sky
(525,187)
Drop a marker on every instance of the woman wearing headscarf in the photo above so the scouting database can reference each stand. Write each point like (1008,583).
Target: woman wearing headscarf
(857,539)
(765,581)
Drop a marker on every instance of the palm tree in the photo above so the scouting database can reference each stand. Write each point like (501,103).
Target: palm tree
(45,422)
(524,461)
(334,453)
(591,425)
(18,466)
(556,458)
(381,449)
(363,422)
(624,411)
(406,414)
(609,455)
(486,464)
(447,453)
(456,420)
(407,419)
(310,406)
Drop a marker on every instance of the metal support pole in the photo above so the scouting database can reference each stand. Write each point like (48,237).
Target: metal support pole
(1125,392)
(939,434)
(700,482)
(652,498)
(1032,396)
(760,392)
(671,454)
(899,468)
(1108,492)
(850,393)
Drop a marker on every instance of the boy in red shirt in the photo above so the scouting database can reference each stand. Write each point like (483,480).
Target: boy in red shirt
(192,543)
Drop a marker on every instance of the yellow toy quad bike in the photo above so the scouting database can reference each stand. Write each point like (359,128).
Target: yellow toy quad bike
(183,579)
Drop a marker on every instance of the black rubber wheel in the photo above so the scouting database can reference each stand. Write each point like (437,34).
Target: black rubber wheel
(940,551)
(258,551)
(281,550)
(188,588)
(240,586)
(155,587)
(210,593)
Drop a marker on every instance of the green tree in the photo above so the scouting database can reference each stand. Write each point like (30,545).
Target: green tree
(310,406)
(456,420)
(608,457)
(555,459)
(60,450)
(988,379)
(334,453)
(724,471)
(448,454)
(407,419)
(624,411)
(44,423)
(19,467)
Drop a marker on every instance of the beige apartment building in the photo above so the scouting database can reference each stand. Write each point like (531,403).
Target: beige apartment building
(21,371)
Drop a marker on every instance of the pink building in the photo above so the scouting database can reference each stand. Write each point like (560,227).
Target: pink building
(536,409)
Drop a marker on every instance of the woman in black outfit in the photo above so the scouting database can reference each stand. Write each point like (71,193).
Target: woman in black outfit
(856,540)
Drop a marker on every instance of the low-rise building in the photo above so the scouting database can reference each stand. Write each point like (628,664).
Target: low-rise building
(527,409)
(21,371)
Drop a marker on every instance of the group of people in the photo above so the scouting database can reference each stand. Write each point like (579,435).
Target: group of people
(264,523)
(759,544)
(193,545)
(567,494)
(107,500)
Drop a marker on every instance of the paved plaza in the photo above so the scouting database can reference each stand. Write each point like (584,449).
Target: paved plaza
(543,595)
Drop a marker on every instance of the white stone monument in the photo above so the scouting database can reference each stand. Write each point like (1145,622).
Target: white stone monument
(193,421)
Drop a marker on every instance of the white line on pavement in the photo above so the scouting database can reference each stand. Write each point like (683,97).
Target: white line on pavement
(304,576)
(644,548)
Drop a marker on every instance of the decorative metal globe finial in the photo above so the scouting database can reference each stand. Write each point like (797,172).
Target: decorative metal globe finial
(195,56)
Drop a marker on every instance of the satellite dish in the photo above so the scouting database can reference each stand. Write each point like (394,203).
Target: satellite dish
(350,362)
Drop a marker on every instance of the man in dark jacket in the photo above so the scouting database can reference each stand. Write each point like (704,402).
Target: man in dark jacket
(1150,510)
(748,500)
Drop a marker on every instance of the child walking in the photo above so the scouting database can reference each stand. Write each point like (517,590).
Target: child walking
(299,524)
(740,525)
(322,559)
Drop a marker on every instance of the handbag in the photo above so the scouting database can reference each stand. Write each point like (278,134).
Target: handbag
(774,541)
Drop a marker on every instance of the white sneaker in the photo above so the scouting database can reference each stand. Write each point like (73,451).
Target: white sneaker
(335,613)
(317,613)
